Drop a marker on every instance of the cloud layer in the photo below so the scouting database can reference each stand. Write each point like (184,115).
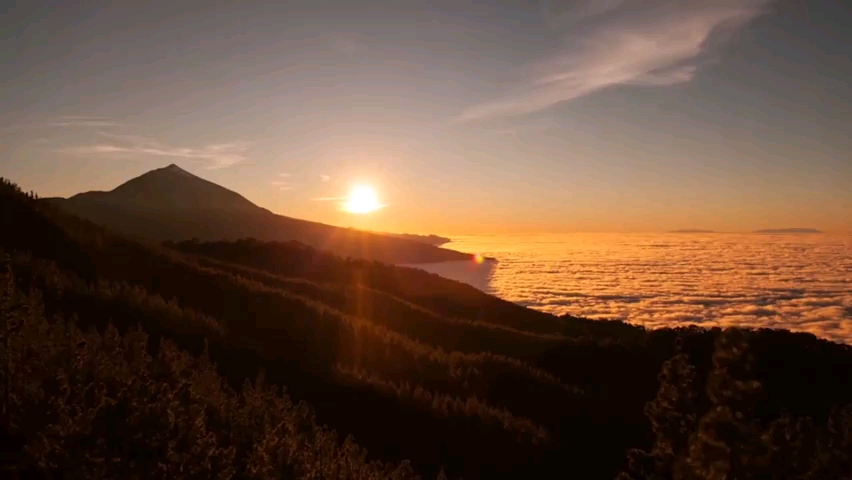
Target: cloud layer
(622,42)
(82,121)
(798,282)
(213,156)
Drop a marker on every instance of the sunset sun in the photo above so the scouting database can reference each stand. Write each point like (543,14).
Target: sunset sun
(362,199)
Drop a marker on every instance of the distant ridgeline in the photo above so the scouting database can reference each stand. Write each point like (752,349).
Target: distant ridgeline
(257,359)
(788,230)
(172,204)
(768,231)
(428,239)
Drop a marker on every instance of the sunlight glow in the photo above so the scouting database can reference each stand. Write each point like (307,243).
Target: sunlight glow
(362,199)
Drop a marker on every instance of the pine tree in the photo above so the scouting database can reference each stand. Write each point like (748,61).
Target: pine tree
(727,443)
(672,414)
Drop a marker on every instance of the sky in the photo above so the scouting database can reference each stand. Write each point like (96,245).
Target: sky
(465,116)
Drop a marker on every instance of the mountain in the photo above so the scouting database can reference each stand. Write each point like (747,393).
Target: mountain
(788,230)
(172,204)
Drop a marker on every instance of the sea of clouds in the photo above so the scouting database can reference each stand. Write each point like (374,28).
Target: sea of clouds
(798,282)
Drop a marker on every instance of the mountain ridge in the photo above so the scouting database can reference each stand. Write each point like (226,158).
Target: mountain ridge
(788,230)
(138,190)
(171,204)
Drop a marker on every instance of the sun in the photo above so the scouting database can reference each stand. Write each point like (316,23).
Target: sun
(362,199)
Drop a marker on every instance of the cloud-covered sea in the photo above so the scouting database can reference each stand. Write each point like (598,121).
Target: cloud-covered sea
(799,282)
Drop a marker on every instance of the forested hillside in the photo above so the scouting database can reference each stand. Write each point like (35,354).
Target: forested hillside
(122,358)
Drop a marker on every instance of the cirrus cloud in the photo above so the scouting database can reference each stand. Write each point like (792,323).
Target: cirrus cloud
(622,42)
(82,121)
(213,156)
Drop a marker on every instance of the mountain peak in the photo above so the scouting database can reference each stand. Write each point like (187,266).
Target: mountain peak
(172,188)
(174,170)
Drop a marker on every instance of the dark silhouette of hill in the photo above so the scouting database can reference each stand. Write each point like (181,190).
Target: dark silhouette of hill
(172,204)
(346,287)
(428,239)
(192,395)
(172,188)
(788,230)
(430,291)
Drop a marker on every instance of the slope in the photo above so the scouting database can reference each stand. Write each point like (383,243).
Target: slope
(444,297)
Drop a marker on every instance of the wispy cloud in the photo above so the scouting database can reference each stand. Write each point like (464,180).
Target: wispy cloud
(82,121)
(213,156)
(328,199)
(132,139)
(583,10)
(325,178)
(626,42)
(66,121)
(282,184)
(84,117)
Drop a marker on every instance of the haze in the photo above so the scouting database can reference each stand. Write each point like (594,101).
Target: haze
(730,115)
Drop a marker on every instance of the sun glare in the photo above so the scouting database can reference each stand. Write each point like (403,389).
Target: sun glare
(362,199)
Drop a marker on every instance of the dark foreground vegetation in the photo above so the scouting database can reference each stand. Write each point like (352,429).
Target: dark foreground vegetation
(199,360)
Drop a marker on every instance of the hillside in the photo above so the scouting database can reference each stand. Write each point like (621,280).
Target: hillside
(446,297)
(416,368)
(172,204)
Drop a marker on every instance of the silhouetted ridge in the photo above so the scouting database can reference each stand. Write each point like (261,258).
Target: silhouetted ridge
(172,204)
(788,230)
(172,189)
(431,239)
